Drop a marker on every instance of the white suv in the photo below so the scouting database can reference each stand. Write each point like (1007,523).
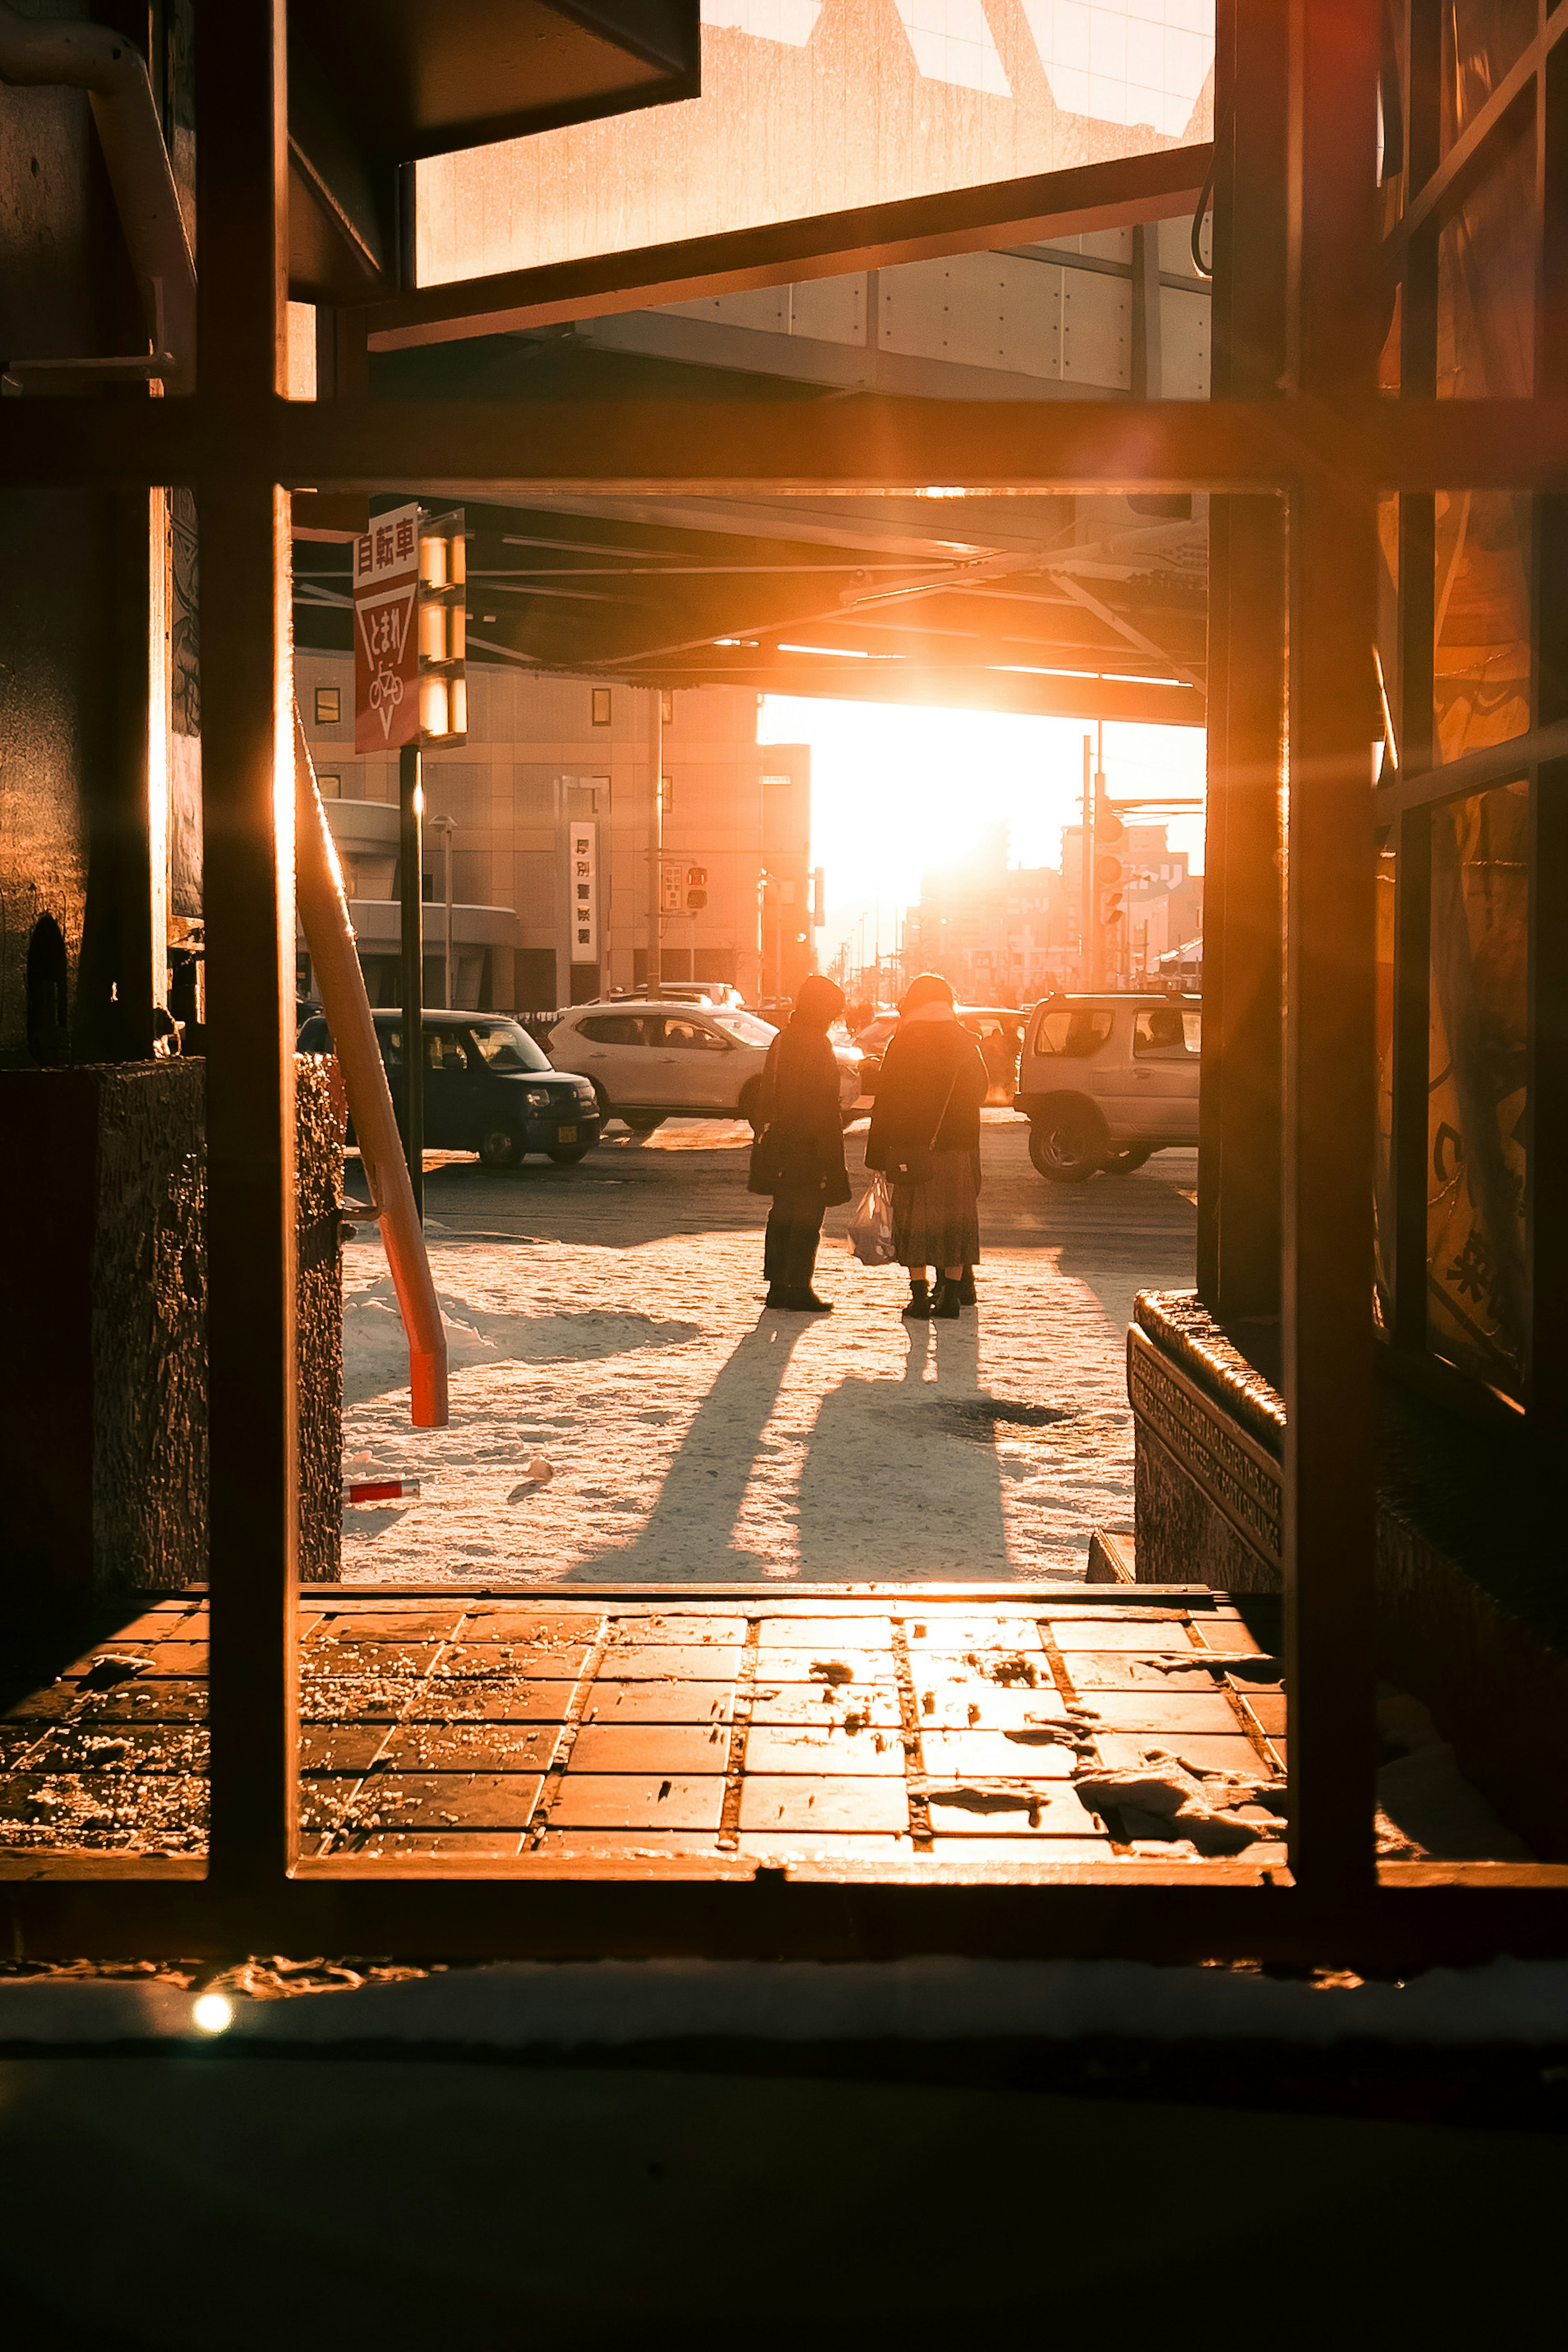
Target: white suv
(1104,1081)
(650,1062)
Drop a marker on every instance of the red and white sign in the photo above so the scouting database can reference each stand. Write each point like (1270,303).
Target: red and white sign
(386,639)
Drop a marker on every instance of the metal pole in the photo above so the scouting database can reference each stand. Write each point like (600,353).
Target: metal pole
(1088,960)
(449,827)
(656,855)
(411,808)
(1113,961)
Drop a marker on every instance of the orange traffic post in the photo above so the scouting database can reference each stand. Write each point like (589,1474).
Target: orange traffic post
(329,936)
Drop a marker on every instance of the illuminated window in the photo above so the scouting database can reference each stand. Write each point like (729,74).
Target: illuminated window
(331,787)
(328,706)
(600,706)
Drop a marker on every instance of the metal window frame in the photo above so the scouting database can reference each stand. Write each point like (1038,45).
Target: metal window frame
(1324,443)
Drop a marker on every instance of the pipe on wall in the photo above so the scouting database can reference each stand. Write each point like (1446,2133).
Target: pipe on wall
(335,965)
(35,53)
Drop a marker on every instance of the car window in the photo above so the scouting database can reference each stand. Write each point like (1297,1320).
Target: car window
(315,1037)
(615,1029)
(444,1050)
(1077,1031)
(1168,1034)
(693,1038)
(504,1045)
(745,1028)
(391,1043)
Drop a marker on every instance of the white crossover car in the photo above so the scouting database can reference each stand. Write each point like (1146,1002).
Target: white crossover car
(649,1062)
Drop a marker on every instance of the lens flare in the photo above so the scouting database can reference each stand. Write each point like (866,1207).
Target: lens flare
(212,2013)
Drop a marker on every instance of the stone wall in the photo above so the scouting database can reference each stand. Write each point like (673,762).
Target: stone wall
(103,1408)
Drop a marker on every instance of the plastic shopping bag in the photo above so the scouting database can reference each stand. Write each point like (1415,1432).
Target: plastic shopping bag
(871,1226)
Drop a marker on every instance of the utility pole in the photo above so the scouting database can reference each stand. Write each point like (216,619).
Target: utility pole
(411,894)
(447,826)
(1088,961)
(1105,980)
(654,973)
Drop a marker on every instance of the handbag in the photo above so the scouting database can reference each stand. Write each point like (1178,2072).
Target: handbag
(915,1168)
(871,1226)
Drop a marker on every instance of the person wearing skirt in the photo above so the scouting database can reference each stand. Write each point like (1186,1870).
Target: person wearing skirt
(925,1139)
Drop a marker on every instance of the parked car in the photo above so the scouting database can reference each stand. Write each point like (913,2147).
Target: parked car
(648,1063)
(487,1088)
(700,991)
(998,1030)
(1106,1081)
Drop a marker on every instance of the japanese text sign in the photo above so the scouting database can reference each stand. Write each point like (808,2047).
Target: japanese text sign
(386,643)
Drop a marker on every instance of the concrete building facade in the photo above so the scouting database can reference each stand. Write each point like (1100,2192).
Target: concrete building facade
(550,764)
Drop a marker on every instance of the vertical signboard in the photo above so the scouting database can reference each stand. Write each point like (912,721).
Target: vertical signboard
(582,888)
(386,643)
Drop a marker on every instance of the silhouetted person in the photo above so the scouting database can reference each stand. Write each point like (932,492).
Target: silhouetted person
(798,1155)
(925,1137)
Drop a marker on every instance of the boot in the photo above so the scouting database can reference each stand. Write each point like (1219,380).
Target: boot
(944,1307)
(778,1296)
(918,1309)
(966,1288)
(802,1264)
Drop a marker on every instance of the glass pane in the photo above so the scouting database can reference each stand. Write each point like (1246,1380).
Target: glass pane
(808,108)
(1477,1120)
(1481,39)
(1486,285)
(1481,631)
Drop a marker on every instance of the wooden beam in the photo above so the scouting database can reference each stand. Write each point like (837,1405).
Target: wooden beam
(247,806)
(718,448)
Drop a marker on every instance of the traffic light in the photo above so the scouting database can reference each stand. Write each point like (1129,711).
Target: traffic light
(696,888)
(1111,878)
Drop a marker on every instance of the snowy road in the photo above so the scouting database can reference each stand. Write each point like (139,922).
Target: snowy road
(606,1328)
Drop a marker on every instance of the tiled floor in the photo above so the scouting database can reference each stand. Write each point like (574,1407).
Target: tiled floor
(904,1728)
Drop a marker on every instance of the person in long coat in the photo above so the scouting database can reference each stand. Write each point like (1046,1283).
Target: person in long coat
(925,1139)
(798,1155)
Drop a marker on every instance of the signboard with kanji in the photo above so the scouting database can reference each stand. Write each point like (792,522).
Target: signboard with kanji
(386,641)
(582,888)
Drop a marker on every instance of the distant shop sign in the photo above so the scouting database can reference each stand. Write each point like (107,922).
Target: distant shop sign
(387,642)
(583,888)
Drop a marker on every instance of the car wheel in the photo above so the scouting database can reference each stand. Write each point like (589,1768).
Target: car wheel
(566,1155)
(499,1147)
(750,1096)
(640,1122)
(1068,1144)
(1122,1163)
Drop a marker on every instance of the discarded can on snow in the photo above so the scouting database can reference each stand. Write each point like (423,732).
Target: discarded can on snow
(382,1490)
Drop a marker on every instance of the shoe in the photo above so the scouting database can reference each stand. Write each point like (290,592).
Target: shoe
(806,1302)
(966,1288)
(778,1296)
(918,1309)
(944,1306)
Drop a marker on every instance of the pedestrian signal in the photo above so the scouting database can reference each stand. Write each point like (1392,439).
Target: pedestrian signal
(697,878)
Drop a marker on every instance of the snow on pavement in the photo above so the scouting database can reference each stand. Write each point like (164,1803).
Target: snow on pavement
(683,1434)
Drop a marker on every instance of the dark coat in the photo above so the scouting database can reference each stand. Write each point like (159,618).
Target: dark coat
(798,1155)
(927,1064)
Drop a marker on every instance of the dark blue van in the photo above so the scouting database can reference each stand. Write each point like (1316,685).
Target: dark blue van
(487,1087)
